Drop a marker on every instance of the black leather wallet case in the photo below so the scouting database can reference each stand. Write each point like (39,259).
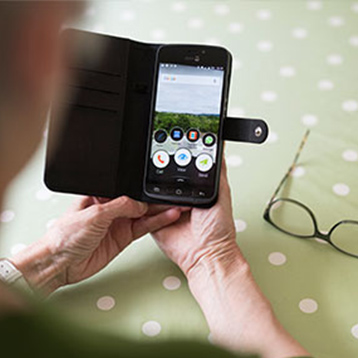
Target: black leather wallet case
(97,138)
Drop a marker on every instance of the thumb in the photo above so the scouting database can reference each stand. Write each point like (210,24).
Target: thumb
(124,207)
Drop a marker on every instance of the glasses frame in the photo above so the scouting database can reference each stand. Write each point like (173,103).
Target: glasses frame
(317,233)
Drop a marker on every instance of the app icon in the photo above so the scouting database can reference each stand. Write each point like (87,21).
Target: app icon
(177,134)
(160,136)
(193,135)
(161,159)
(182,157)
(209,140)
(204,163)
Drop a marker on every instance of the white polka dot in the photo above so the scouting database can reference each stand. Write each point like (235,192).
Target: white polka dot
(210,338)
(336,21)
(127,15)
(151,328)
(237,111)
(321,241)
(6,216)
(235,27)
(179,6)
(334,59)
(272,138)
(350,155)
(276,205)
(287,71)
(91,11)
(237,64)
(298,172)
(50,223)
(222,9)
(98,28)
(314,5)
(299,33)
(355,7)
(354,41)
(240,225)
(43,194)
(233,161)
(171,283)
(269,96)
(212,41)
(264,14)
(106,303)
(325,85)
(354,331)
(341,189)
(277,258)
(195,23)
(350,106)
(308,305)
(158,34)
(309,120)
(265,46)
(17,248)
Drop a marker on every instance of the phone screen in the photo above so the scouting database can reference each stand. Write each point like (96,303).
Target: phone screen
(184,141)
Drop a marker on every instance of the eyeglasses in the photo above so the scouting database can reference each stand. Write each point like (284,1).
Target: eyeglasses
(296,219)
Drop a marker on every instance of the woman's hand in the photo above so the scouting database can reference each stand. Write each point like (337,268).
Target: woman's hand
(202,234)
(87,238)
(203,244)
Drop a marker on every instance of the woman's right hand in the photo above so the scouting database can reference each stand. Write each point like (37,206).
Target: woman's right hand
(201,235)
(203,244)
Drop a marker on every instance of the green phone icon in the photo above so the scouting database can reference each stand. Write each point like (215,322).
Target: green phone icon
(209,140)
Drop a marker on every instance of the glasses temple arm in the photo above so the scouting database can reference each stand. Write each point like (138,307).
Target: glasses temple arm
(293,165)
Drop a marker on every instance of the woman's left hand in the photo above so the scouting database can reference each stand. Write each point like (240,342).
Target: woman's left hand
(87,238)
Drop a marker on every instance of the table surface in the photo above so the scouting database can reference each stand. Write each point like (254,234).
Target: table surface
(295,66)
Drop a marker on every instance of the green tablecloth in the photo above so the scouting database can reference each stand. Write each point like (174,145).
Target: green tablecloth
(295,66)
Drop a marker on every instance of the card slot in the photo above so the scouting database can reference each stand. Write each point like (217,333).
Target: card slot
(82,87)
(99,109)
(96,81)
(102,72)
(96,99)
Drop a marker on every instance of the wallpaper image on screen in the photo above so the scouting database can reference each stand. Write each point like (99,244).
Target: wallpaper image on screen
(185,130)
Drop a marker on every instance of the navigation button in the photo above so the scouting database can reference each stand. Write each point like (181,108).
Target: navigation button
(179,192)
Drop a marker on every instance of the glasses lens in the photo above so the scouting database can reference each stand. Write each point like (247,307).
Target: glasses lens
(345,237)
(292,218)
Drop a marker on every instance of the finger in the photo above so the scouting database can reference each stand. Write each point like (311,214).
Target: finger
(150,224)
(224,167)
(224,191)
(154,209)
(100,200)
(123,207)
(81,203)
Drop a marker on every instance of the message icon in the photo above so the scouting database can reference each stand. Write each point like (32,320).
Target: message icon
(204,163)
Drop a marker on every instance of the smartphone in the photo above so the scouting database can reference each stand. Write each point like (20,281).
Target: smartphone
(189,105)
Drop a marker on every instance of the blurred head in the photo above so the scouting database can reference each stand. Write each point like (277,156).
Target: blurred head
(31,64)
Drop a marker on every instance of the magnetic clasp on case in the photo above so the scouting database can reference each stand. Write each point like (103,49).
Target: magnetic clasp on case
(245,130)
